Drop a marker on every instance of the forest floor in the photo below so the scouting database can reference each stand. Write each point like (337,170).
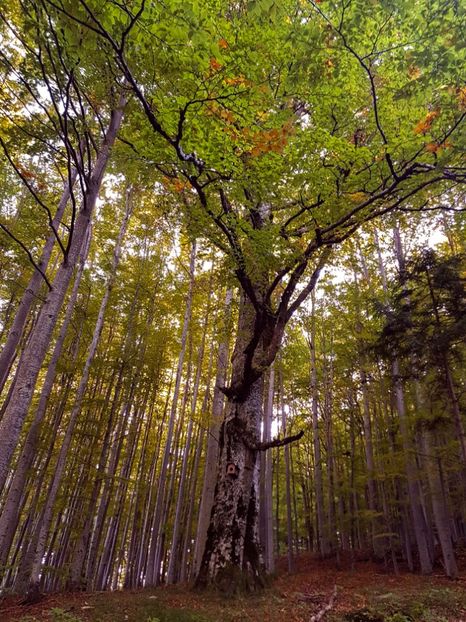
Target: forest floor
(365,593)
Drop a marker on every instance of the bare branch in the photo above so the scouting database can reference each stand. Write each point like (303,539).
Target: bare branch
(28,253)
(34,193)
(278,442)
(326,608)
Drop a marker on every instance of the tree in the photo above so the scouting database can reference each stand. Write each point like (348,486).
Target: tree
(272,132)
(391,143)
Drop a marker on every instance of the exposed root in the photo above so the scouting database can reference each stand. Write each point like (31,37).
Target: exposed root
(33,595)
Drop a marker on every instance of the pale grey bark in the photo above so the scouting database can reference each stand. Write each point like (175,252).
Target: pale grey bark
(266,500)
(115,537)
(232,554)
(372,498)
(10,512)
(324,547)
(414,488)
(437,493)
(16,330)
(75,411)
(330,450)
(186,565)
(36,349)
(212,450)
(289,520)
(152,571)
(172,566)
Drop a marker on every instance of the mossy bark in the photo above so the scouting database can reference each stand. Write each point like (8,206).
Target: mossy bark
(232,560)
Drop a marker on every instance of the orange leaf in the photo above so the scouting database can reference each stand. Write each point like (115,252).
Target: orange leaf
(414,72)
(425,124)
(214,64)
(223,43)
(236,81)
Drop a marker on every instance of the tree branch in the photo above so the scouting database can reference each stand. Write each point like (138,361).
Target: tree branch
(278,442)
(28,253)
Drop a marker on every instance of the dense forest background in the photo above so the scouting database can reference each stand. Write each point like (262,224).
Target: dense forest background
(161,170)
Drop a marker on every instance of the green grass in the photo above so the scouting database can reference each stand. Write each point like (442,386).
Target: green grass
(136,611)
(436,604)
(383,602)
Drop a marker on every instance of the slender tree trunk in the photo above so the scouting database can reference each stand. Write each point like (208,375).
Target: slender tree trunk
(10,511)
(440,511)
(36,349)
(186,567)
(288,475)
(14,335)
(81,390)
(419,522)
(324,548)
(153,570)
(329,440)
(266,475)
(208,487)
(378,544)
(172,567)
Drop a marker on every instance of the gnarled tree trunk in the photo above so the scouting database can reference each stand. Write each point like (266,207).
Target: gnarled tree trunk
(232,559)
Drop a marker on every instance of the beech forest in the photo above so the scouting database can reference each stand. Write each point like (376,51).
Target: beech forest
(232,310)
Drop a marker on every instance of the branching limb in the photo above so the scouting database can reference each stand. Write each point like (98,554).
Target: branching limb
(28,253)
(34,194)
(279,442)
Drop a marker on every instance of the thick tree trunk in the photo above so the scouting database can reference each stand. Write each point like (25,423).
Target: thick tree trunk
(232,560)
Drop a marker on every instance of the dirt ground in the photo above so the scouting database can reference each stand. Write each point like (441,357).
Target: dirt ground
(366,592)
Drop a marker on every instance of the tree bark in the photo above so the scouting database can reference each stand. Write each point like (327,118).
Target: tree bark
(14,335)
(36,349)
(231,559)
(208,486)
(10,511)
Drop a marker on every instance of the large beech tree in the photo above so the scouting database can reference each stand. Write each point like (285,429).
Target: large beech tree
(280,128)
